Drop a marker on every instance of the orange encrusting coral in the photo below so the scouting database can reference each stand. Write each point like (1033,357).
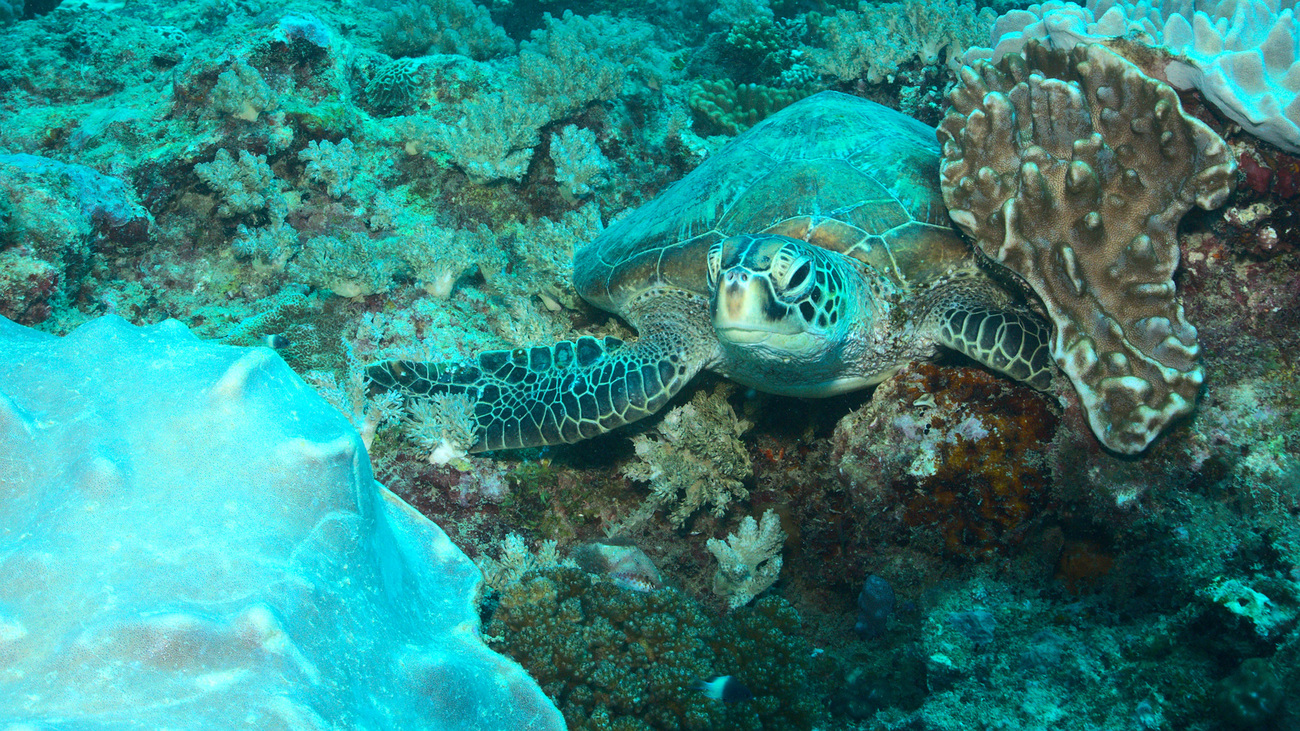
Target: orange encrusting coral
(986,489)
(957,451)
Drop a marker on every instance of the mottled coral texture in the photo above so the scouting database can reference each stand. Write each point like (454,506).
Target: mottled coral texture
(615,658)
(749,561)
(872,42)
(955,452)
(1240,54)
(1073,170)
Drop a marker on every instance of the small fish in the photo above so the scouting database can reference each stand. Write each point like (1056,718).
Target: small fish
(276,342)
(724,688)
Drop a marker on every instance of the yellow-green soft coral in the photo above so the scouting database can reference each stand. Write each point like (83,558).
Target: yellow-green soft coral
(697,460)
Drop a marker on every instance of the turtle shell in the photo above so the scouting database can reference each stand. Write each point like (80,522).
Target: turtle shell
(840,172)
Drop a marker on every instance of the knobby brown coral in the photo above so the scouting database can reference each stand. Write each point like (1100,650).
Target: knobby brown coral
(1073,169)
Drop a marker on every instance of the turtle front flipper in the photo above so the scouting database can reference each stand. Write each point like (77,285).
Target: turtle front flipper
(563,393)
(1011,341)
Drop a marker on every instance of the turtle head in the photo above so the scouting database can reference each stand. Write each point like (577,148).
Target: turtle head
(781,300)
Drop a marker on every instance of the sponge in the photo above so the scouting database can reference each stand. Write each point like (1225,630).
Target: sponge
(190,537)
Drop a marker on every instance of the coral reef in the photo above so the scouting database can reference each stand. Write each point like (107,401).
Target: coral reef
(617,658)
(749,561)
(516,560)
(1036,579)
(696,460)
(1073,170)
(1241,56)
(244,186)
(957,451)
(425,27)
(734,109)
(579,164)
(874,41)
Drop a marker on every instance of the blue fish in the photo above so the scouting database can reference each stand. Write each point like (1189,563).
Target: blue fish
(724,688)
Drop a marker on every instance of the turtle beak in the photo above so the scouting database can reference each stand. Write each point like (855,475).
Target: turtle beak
(745,303)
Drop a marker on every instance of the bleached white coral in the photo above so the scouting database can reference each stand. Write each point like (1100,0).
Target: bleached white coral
(748,562)
(579,163)
(331,164)
(244,185)
(697,460)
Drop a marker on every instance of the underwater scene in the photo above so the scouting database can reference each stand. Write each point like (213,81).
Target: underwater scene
(615,365)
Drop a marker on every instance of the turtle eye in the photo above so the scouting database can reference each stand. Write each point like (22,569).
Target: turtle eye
(715,263)
(799,276)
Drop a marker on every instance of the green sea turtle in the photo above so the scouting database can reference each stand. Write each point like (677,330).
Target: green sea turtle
(811,256)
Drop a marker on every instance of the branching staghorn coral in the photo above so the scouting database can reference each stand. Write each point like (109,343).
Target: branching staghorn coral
(1073,170)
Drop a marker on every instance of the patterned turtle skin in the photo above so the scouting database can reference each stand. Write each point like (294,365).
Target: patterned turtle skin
(810,256)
